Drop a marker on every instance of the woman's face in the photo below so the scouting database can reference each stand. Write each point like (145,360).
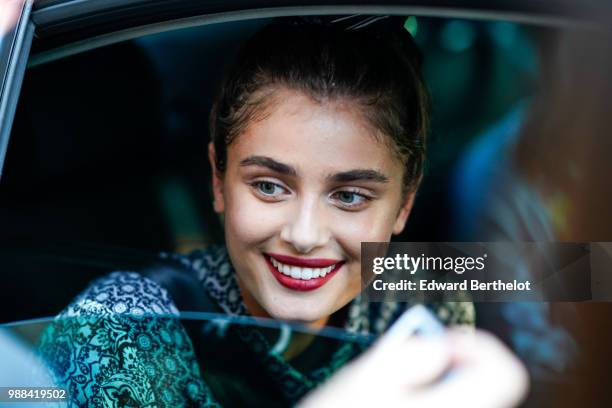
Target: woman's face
(302,189)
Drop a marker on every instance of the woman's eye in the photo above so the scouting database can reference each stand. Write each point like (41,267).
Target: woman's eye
(268,188)
(350,198)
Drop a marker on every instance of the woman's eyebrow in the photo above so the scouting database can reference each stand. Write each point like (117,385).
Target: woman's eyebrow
(270,163)
(358,175)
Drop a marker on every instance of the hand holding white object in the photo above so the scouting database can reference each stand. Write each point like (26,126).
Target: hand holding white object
(454,368)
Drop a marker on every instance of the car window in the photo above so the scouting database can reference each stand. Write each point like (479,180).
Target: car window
(129,125)
(109,146)
(25,348)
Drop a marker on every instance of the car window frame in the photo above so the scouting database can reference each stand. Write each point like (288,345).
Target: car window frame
(13,64)
(54,18)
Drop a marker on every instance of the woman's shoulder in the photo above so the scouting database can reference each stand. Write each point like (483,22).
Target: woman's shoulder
(216,280)
(120,342)
(149,291)
(122,293)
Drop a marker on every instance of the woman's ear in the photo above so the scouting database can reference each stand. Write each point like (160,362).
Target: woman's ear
(404,212)
(217,181)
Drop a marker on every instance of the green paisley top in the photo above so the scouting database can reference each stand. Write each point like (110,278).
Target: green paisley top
(120,344)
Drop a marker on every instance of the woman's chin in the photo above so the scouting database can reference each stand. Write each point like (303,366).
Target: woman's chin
(305,315)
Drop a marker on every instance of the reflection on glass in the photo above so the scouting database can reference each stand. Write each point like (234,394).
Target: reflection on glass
(139,359)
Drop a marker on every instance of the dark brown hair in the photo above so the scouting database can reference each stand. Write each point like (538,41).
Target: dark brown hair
(378,68)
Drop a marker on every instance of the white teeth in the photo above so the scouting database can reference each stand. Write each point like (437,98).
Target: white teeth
(301,273)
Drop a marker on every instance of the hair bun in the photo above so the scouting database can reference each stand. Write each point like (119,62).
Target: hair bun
(380,27)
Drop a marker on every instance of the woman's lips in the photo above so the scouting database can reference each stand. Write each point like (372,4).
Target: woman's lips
(302,274)
(303,262)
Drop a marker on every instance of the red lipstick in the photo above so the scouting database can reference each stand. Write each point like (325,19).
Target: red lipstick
(304,262)
(302,284)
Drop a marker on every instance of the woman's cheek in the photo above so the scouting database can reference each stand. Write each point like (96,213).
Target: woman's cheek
(371,225)
(250,219)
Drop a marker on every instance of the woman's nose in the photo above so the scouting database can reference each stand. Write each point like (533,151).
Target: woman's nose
(307,228)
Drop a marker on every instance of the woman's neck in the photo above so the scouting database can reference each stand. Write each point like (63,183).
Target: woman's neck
(299,341)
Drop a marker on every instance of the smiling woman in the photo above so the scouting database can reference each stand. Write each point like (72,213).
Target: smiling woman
(315,149)
(311,180)
(318,142)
